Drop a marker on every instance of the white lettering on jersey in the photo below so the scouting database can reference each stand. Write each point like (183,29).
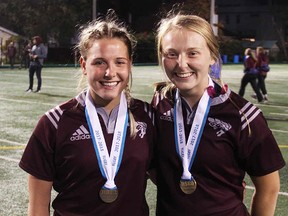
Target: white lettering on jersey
(80,134)
(167,116)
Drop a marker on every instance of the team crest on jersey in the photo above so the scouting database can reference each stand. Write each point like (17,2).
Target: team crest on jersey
(141,128)
(219,125)
(80,134)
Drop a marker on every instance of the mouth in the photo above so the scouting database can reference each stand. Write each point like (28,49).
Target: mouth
(184,74)
(109,84)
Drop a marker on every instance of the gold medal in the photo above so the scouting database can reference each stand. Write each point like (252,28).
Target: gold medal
(188,186)
(108,195)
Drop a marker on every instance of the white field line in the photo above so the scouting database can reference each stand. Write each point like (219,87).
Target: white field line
(279,131)
(269,105)
(280,114)
(73,76)
(9,159)
(47,87)
(25,101)
(12,142)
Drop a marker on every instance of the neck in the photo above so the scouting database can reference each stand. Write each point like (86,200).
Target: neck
(191,99)
(194,95)
(108,105)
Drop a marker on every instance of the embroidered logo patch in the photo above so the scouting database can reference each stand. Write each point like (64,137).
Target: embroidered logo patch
(219,125)
(141,128)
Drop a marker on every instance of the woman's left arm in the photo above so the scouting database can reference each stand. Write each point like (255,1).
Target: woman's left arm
(265,196)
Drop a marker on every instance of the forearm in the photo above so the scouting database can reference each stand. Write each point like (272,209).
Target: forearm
(39,197)
(264,205)
(264,199)
(36,210)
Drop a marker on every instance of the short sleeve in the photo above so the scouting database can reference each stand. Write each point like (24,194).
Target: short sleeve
(260,150)
(38,156)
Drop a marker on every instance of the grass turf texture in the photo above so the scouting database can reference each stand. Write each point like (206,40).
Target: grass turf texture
(21,111)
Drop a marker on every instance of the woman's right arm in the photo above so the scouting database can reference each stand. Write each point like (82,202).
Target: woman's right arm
(39,196)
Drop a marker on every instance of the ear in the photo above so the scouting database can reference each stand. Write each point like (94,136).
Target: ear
(212,61)
(83,65)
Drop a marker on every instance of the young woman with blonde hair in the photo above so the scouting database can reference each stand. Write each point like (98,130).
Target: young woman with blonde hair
(208,137)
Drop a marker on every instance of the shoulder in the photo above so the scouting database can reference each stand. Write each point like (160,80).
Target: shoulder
(140,108)
(68,108)
(163,92)
(235,107)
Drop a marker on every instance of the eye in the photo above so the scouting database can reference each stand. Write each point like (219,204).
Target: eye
(171,55)
(121,62)
(191,54)
(99,62)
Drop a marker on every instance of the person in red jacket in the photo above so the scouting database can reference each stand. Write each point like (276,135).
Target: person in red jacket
(263,67)
(250,74)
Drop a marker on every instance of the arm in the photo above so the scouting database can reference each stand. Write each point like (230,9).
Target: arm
(265,196)
(39,196)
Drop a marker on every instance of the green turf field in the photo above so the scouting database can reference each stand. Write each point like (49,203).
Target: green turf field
(20,112)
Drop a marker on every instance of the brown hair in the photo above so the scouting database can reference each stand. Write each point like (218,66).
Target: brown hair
(38,40)
(108,27)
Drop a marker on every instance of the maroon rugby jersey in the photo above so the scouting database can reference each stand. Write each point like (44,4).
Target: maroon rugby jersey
(225,153)
(61,150)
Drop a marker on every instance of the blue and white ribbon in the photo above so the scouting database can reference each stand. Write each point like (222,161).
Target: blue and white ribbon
(187,152)
(109,165)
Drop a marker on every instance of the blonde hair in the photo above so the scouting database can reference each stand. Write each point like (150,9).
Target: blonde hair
(107,27)
(259,50)
(193,23)
(251,53)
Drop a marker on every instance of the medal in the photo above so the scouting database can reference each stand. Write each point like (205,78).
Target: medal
(187,149)
(108,164)
(108,195)
(188,186)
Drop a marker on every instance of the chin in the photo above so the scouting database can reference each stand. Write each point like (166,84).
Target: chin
(186,85)
(109,97)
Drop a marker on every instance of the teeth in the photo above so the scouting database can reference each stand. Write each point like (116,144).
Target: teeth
(109,83)
(184,75)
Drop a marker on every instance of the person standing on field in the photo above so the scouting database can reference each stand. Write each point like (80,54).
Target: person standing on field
(250,75)
(94,149)
(37,55)
(263,67)
(208,137)
(11,53)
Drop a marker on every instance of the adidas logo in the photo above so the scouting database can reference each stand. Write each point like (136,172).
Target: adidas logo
(167,115)
(80,134)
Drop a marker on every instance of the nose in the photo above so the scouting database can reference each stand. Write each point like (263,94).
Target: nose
(182,61)
(110,71)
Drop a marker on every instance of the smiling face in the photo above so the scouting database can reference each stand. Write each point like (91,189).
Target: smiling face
(186,60)
(107,66)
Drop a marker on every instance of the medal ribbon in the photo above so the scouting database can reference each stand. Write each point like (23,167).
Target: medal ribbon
(109,165)
(187,152)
